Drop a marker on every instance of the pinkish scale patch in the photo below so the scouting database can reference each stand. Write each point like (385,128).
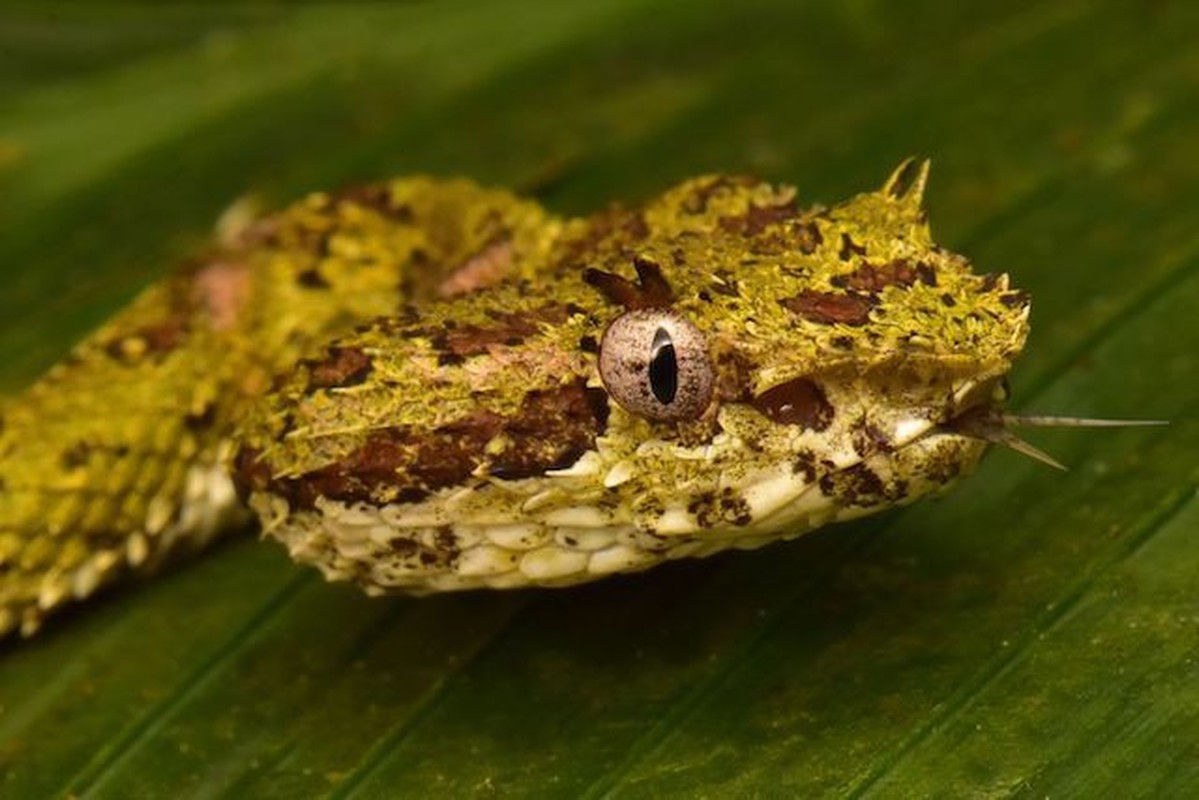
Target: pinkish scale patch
(223,288)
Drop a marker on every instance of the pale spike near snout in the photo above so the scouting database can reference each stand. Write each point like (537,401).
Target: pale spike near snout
(995,428)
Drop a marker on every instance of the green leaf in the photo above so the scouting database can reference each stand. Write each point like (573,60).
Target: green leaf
(1030,634)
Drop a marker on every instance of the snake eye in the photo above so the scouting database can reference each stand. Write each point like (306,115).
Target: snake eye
(655,364)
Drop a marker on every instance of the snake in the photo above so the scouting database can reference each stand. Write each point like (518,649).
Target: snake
(426,385)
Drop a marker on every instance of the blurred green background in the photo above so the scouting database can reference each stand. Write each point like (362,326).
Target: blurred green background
(1032,634)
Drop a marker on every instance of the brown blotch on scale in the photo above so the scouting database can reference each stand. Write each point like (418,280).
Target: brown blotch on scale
(867,439)
(412,494)
(154,341)
(761,217)
(830,307)
(201,419)
(415,555)
(725,285)
(304,237)
(312,279)
(799,401)
(551,431)
(344,366)
(860,485)
(403,546)
(808,237)
(876,277)
(849,247)
(758,218)
(735,509)
(377,198)
(447,543)
(655,289)
(635,227)
(805,464)
(76,456)
(703,507)
(926,274)
(1016,299)
(711,509)
(511,328)
(697,201)
(618,289)
(386,464)
(164,338)
(552,428)
(251,473)
(651,290)
(217,286)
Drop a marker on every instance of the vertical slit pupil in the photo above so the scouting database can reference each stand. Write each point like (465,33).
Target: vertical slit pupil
(663,368)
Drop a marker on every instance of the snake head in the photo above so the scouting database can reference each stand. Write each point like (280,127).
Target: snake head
(720,368)
(828,356)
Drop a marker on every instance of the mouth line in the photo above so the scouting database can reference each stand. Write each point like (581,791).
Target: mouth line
(973,406)
(974,412)
(981,422)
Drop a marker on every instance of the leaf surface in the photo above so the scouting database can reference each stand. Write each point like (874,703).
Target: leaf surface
(1029,634)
